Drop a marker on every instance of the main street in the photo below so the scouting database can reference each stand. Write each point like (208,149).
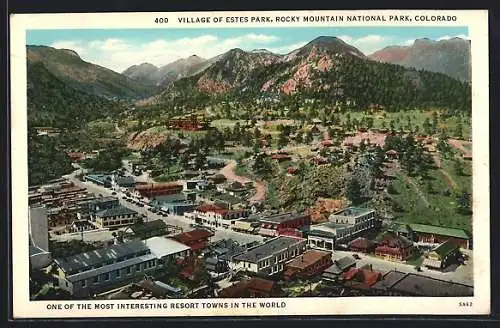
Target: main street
(176,220)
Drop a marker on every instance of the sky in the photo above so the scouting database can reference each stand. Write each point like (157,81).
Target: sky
(119,49)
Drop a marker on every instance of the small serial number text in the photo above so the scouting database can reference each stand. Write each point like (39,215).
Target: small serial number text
(161,20)
(465,304)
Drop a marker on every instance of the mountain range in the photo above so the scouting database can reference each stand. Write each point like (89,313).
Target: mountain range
(450,57)
(67,66)
(326,68)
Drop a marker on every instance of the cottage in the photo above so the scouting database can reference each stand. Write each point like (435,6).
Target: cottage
(309,264)
(393,247)
(269,258)
(441,256)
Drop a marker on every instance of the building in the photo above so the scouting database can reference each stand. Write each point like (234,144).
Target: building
(362,245)
(252,288)
(401,229)
(88,273)
(39,252)
(81,226)
(442,255)
(433,235)
(196,239)
(216,216)
(151,190)
(269,258)
(248,225)
(273,224)
(167,250)
(343,226)
(216,265)
(99,179)
(394,247)
(395,283)
(339,266)
(114,217)
(100,204)
(149,229)
(176,204)
(308,264)
(360,279)
(76,156)
(119,181)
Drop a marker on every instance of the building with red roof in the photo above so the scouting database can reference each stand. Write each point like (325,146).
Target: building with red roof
(360,278)
(312,262)
(217,216)
(196,239)
(394,247)
(253,288)
(76,156)
(151,190)
(362,245)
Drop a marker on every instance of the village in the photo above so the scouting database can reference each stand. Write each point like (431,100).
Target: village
(217,228)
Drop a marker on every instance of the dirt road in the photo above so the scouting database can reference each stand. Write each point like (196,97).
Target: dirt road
(260,188)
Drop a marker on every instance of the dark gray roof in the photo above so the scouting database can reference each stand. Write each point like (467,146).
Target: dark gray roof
(389,279)
(115,211)
(345,262)
(417,285)
(110,268)
(100,256)
(321,233)
(125,180)
(282,217)
(265,250)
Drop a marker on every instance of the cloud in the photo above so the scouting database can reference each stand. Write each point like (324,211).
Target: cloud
(119,54)
(369,43)
(447,37)
(288,48)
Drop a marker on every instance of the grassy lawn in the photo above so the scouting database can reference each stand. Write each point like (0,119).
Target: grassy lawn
(463,181)
(442,210)
(225,123)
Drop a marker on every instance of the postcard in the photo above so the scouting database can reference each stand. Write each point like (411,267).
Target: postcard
(250,164)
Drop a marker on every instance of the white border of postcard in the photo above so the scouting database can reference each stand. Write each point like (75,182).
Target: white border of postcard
(477,23)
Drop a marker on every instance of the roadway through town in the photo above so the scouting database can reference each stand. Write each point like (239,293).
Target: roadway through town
(176,220)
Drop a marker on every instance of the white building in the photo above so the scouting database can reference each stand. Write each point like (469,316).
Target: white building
(39,237)
(269,258)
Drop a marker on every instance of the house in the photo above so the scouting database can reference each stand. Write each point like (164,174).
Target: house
(394,247)
(269,258)
(434,235)
(308,264)
(360,279)
(217,178)
(88,273)
(39,253)
(339,266)
(81,226)
(196,239)
(401,229)
(395,283)
(216,265)
(236,188)
(115,217)
(391,154)
(442,255)
(76,156)
(166,250)
(253,288)
(149,229)
(272,225)
(362,245)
